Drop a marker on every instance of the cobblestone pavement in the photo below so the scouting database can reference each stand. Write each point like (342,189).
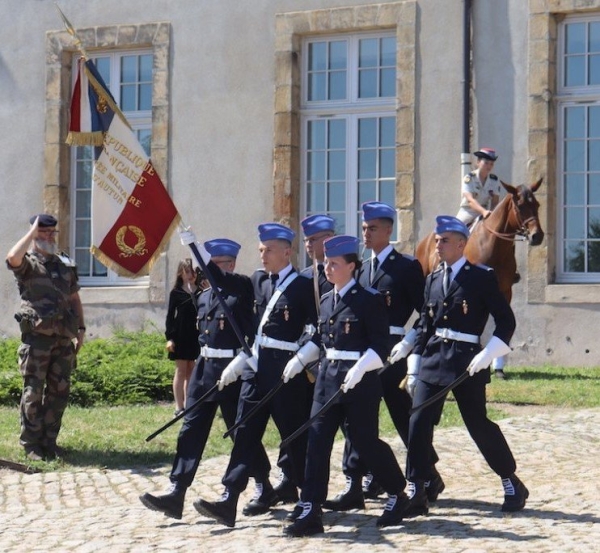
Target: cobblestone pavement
(557,453)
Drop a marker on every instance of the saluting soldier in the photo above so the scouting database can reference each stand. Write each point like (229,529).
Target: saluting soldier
(480,191)
(399,279)
(51,320)
(459,298)
(283,305)
(353,331)
(219,344)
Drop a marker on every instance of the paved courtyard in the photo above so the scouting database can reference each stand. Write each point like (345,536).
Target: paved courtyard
(93,510)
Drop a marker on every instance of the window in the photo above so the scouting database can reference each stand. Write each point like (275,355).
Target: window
(348,119)
(128,75)
(579,151)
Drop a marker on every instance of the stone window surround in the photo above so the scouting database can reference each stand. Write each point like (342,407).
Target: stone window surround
(544,18)
(60,48)
(290,29)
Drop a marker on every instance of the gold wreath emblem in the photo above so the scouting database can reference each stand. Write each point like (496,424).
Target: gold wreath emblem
(128,251)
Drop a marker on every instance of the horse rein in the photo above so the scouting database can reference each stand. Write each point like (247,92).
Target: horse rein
(522,231)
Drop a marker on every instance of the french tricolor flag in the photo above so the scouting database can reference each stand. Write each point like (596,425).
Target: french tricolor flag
(133,215)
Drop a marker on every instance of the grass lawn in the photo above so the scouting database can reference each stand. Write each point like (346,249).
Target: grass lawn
(114,437)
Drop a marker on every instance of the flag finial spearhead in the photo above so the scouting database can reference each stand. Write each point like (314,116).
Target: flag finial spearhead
(72,32)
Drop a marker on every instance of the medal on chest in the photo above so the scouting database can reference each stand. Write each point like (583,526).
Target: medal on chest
(347,327)
(221,323)
(465,307)
(286,313)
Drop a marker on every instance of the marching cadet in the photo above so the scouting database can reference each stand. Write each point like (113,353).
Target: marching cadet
(283,305)
(399,279)
(219,344)
(353,330)
(459,297)
(480,188)
(316,228)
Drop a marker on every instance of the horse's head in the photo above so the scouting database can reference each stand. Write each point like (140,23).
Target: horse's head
(526,211)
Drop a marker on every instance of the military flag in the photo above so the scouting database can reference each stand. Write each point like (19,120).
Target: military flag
(133,215)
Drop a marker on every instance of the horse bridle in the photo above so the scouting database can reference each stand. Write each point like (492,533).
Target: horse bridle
(522,230)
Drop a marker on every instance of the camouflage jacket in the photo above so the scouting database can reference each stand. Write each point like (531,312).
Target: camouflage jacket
(46,286)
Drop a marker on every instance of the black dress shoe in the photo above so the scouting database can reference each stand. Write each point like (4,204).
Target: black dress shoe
(34,453)
(223,511)
(418,502)
(308,523)
(171,504)
(394,510)
(295,513)
(286,491)
(351,498)
(434,487)
(371,488)
(499,373)
(264,498)
(515,494)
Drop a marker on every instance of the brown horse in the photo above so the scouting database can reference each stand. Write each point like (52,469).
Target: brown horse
(492,240)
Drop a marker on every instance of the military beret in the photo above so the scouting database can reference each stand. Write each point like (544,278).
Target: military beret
(340,245)
(378,210)
(447,223)
(222,246)
(45,220)
(317,223)
(275,231)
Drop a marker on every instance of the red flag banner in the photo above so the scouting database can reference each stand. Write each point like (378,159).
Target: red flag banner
(133,215)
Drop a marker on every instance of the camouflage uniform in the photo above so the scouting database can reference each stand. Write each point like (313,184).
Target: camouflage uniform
(47,353)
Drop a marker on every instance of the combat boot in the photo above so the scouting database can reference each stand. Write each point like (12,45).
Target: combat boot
(393,512)
(170,503)
(515,494)
(295,512)
(264,498)
(418,502)
(350,498)
(308,523)
(223,511)
(435,486)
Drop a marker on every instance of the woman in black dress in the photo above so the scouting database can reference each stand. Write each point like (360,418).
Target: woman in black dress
(181,330)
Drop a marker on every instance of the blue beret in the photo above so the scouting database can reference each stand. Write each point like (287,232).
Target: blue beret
(275,231)
(222,246)
(317,223)
(378,210)
(45,220)
(447,223)
(340,245)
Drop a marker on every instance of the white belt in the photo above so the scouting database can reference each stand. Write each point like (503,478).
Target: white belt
(458,336)
(341,355)
(397,330)
(267,342)
(213,353)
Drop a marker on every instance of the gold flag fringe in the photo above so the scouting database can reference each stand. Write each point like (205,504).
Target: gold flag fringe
(85,138)
(145,270)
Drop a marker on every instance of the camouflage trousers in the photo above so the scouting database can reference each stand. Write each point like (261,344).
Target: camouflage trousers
(46,364)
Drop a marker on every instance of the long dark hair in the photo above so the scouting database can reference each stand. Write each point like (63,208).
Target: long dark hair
(186,265)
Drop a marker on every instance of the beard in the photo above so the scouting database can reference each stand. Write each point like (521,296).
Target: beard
(45,246)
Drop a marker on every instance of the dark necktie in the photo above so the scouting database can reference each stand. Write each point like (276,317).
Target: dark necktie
(273,277)
(446,281)
(336,300)
(374,266)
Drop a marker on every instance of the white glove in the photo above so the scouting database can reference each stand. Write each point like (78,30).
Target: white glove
(188,238)
(494,348)
(414,364)
(369,361)
(402,349)
(234,370)
(306,354)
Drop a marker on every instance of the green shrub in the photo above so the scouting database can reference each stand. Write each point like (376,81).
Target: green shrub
(128,368)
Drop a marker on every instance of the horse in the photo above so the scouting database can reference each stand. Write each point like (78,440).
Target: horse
(492,240)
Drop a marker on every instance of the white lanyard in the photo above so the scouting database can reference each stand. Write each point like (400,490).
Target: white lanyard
(278,291)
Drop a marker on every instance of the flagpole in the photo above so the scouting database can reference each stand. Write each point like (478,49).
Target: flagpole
(72,32)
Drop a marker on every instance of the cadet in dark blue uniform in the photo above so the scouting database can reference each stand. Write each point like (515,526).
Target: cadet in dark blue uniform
(399,278)
(316,228)
(353,331)
(459,297)
(219,345)
(284,304)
